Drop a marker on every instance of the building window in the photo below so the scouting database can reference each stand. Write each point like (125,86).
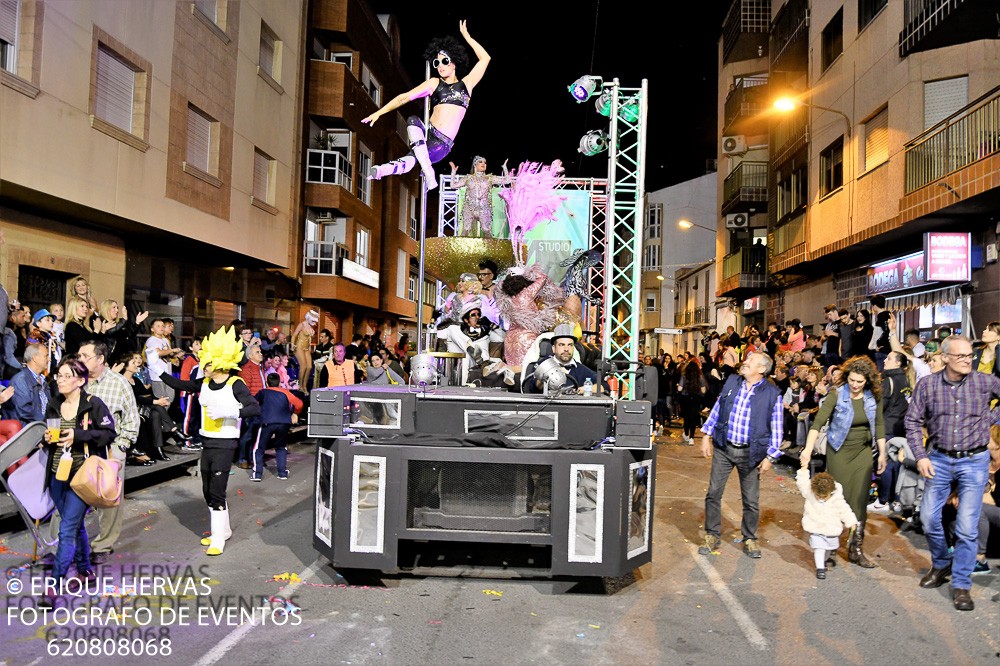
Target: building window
(213,10)
(263,177)
(877,140)
(270,53)
(371,85)
(651,257)
(114,97)
(650,299)
(943,98)
(833,39)
(430,293)
(402,273)
(792,190)
(324,233)
(361,248)
(414,218)
(831,167)
(202,138)
(411,287)
(867,9)
(9,15)
(654,219)
(364,164)
(346,59)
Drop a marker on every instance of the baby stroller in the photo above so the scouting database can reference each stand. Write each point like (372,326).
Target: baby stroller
(25,483)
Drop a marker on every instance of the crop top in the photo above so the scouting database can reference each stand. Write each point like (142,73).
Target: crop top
(451,93)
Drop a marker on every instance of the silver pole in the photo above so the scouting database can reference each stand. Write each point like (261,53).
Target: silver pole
(423,228)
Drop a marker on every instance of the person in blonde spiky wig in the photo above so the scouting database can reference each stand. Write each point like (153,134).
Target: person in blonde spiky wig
(225,401)
(222,350)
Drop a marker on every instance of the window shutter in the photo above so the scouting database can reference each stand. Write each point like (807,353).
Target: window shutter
(877,140)
(943,98)
(266,60)
(115,90)
(8,21)
(402,273)
(199,139)
(261,174)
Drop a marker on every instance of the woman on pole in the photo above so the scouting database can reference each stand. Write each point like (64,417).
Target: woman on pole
(450,97)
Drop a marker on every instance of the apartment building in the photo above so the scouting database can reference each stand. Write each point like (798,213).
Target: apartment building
(678,233)
(152,147)
(359,241)
(892,138)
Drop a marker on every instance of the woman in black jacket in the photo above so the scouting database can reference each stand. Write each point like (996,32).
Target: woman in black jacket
(862,337)
(86,427)
(120,333)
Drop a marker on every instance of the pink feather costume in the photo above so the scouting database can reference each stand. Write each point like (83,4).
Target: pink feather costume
(526,317)
(531,199)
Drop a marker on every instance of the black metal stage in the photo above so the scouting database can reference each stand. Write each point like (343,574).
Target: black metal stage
(482,466)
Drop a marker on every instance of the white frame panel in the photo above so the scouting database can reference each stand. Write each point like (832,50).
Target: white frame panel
(380,520)
(648,464)
(571,555)
(555,422)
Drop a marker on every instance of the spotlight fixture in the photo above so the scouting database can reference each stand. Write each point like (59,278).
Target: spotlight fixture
(583,88)
(423,369)
(603,103)
(593,142)
(629,111)
(551,373)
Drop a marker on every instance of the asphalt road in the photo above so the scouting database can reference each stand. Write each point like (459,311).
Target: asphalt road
(681,609)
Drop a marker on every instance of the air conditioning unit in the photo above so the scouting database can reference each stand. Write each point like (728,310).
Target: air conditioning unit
(737,221)
(324,217)
(734,145)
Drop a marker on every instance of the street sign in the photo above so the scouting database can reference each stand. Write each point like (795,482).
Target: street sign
(667,331)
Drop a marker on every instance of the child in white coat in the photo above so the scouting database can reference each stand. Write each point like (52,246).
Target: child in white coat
(825,515)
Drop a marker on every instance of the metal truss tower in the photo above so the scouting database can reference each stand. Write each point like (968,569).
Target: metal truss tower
(623,231)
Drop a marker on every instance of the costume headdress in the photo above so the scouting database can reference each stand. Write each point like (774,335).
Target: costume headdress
(312,317)
(222,349)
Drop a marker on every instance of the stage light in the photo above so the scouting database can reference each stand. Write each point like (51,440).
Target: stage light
(583,88)
(423,369)
(603,103)
(629,111)
(551,374)
(593,142)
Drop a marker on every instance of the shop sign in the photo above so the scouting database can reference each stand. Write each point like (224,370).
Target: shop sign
(948,256)
(895,274)
(751,304)
(355,271)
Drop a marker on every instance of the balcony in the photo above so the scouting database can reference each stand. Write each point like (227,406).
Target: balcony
(744,32)
(329,167)
(745,188)
(744,272)
(683,319)
(933,24)
(334,92)
(789,48)
(744,106)
(967,136)
(701,317)
(789,135)
(323,257)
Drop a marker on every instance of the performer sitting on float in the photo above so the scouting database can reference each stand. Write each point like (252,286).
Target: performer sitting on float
(225,400)
(450,97)
(477,206)
(563,340)
(472,337)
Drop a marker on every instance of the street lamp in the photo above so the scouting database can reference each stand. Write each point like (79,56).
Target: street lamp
(687,224)
(789,104)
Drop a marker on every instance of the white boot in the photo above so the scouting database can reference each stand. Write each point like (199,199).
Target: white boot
(393,168)
(220,526)
(227,532)
(418,144)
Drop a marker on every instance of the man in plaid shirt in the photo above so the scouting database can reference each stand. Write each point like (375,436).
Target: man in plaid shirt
(744,432)
(954,407)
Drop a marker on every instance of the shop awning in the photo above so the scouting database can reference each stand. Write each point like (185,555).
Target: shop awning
(945,295)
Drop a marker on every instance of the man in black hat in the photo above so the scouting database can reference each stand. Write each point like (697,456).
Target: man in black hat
(563,345)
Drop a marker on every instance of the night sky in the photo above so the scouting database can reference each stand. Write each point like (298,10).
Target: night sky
(521,109)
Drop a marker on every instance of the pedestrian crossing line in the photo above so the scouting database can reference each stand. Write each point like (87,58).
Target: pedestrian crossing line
(729,600)
(237,634)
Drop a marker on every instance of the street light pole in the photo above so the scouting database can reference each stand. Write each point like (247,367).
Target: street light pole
(789,104)
(687,224)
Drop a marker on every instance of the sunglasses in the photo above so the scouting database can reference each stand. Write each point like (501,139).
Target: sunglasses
(437,62)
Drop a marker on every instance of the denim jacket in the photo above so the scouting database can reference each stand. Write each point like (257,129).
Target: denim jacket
(843,416)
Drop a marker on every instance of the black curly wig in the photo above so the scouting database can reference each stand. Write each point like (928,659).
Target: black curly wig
(513,285)
(455,50)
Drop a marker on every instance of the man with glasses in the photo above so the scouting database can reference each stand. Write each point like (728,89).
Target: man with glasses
(954,407)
